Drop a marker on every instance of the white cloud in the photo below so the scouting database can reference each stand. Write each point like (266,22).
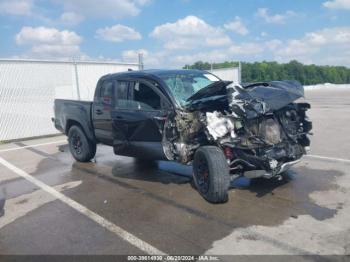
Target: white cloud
(71,18)
(16,7)
(150,59)
(273,44)
(178,58)
(49,42)
(237,26)
(274,18)
(233,52)
(246,49)
(190,32)
(337,4)
(329,44)
(108,8)
(118,33)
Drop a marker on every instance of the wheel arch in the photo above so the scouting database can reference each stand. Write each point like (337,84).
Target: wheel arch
(73,122)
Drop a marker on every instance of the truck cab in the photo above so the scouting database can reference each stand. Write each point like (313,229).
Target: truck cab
(129,112)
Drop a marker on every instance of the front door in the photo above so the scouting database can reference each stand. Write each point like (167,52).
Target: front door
(139,120)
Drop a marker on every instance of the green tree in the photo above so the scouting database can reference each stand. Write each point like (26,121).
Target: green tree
(294,70)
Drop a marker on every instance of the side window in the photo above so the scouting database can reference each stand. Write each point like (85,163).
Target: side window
(145,98)
(121,94)
(106,93)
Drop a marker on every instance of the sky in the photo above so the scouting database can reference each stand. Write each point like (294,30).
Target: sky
(172,33)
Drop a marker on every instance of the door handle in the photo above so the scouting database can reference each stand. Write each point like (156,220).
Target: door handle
(160,118)
(98,112)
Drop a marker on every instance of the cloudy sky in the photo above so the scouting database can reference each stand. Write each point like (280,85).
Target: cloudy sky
(177,32)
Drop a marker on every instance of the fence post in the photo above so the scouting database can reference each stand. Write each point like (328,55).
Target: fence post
(76,78)
(239,72)
(140,61)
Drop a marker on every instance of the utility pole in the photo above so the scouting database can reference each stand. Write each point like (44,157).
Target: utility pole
(239,72)
(75,64)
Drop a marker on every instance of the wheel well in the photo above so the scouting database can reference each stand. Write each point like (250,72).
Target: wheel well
(71,123)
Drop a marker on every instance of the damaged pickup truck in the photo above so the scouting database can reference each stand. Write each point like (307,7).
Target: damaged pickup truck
(192,117)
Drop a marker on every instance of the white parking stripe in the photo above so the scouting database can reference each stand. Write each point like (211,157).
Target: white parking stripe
(133,240)
(29,146)
(329,158)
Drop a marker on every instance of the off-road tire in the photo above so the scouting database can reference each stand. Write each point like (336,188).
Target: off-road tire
(218,175)
(82,150)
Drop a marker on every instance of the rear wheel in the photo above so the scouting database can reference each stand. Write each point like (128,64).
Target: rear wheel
(81,148)
(211,174)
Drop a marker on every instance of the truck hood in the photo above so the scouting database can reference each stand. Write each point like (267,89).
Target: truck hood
(248,100)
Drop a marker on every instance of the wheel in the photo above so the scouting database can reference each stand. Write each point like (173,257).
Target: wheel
(81,148)
(211,174)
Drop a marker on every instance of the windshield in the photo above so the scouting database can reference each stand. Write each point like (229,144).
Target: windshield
(184,84)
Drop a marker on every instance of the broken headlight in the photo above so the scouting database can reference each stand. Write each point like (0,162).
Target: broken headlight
(270,131)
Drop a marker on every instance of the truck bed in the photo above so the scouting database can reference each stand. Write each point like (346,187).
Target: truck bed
(73,111)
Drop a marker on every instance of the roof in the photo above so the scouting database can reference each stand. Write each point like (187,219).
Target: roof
(151,72)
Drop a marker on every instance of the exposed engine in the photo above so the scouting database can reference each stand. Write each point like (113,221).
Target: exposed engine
(256,132)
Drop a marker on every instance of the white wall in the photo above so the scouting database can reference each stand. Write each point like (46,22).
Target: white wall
(28,89)
(228,74)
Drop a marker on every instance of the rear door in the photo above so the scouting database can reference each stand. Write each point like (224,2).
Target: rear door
(120,117)
(102,108)
(140,120)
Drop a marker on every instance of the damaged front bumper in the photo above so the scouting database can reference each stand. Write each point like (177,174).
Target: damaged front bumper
(265,174)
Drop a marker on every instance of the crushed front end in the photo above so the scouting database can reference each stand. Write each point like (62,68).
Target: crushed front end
(259,127)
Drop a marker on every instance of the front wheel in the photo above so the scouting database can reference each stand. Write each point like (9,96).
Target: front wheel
(211,174)
(81,148)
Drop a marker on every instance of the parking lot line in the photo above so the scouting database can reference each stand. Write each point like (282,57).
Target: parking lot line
(130,238)
(36,145)
(329,158)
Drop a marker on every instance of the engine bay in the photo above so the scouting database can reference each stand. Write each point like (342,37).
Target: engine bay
(258,126)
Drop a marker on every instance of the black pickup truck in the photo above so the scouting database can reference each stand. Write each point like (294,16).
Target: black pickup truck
(192,117)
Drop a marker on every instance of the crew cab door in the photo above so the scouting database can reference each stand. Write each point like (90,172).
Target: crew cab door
(101,112)
(139,120)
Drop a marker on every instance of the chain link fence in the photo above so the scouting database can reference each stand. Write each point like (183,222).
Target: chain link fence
(28,89)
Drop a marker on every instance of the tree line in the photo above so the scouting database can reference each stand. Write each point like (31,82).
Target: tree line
(268,71)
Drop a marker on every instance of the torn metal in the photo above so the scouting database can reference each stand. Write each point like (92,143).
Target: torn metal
(260,128)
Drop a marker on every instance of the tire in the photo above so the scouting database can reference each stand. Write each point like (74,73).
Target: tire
(81,148)
(211,174)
